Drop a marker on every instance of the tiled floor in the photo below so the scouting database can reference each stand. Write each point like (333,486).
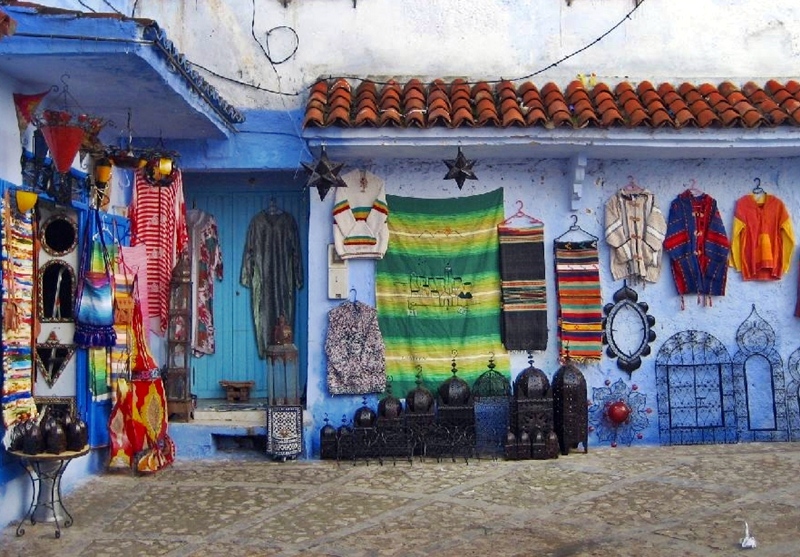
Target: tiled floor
(643,501)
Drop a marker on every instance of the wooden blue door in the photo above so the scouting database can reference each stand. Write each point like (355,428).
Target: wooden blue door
(233,200)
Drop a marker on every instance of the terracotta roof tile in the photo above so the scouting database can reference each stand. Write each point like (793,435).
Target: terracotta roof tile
(457,103)
(366,116)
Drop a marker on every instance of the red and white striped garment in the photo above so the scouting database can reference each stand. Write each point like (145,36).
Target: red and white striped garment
(158,220)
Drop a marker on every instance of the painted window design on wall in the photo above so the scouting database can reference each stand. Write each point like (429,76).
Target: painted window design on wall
(695,390)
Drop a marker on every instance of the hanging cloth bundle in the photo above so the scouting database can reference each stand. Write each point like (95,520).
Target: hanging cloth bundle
(94,305)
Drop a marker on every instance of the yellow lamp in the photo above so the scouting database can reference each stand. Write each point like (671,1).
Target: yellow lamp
(26,200)
(165,166)
(102,171)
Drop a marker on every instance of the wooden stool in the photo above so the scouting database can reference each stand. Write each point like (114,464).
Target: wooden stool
(237,391)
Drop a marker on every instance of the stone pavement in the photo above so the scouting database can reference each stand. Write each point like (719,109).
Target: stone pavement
(640,501)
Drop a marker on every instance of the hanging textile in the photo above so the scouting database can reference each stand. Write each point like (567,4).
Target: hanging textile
(94,298)
(763,238)
(158,220)
(206,257)
(698,246)
(579,303)
(272,268)
(359,217)
(522,275)
(138,423)
(438,289)
(635,229)
(17,268)
(355,351)
(138,427)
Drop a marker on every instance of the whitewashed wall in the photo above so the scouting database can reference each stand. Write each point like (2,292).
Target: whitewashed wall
(663,40)
(10,151)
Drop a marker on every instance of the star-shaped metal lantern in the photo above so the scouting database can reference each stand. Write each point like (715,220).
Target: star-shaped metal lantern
(324,174)
(460,169)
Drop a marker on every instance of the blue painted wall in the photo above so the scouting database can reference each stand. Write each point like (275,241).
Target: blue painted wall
(234,199)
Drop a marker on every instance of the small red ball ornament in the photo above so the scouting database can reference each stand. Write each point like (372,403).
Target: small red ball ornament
(618,412)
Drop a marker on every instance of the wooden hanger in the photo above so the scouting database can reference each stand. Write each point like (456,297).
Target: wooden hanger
(521,215)
(576,228)
(693,189)
(632,186)
(273,207)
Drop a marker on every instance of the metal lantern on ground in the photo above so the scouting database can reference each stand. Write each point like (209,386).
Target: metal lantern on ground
(491,392)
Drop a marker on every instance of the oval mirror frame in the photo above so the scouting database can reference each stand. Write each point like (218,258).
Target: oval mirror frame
(628,329)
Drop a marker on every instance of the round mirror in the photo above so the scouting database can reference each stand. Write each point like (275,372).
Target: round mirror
(56,292)
(59,235)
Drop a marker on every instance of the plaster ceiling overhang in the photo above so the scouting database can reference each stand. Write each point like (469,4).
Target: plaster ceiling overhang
(508,144)
(113,66)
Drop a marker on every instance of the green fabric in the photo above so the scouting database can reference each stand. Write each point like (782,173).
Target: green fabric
(438,289)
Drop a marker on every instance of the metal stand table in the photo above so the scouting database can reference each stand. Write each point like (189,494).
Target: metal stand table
(45,471)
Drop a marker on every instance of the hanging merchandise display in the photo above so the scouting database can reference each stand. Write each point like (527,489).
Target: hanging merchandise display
(94,302)
(359,214)
(438,287)
(272,268)
(635,229)
(158,220)
(138,424)
(522,280)
(206,258)
(763,238)
(698,246)
(17,258)
(580,315)
(355,350)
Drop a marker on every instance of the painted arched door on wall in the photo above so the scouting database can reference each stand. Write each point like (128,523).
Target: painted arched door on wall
(233,200)
(760,384)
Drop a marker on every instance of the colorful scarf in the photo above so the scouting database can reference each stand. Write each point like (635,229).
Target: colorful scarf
(579,302)
(438,289)
(17,258)
(522,272)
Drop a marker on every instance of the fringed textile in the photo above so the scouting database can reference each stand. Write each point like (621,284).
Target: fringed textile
(17,266)
(579,302)
(522,276)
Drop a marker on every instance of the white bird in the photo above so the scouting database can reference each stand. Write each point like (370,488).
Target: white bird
(748,541)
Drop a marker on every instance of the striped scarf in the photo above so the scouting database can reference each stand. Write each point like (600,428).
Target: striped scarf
(522,273)
(579,302)
(438,289)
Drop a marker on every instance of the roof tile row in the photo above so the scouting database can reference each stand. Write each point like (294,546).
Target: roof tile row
(503,104)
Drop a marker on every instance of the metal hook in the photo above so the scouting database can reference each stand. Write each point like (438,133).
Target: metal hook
(574,222)
(64,77)
(758,182)
(519,206)
(354,293)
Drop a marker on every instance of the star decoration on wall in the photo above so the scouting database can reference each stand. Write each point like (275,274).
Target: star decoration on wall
(324,174)
(460,169)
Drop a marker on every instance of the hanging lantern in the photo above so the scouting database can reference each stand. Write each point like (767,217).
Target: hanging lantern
(63,140)
(324,175)
(102,171)
(26,200)
(460,169)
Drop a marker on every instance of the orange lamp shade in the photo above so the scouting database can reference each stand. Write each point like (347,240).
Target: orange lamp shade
(102,170)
